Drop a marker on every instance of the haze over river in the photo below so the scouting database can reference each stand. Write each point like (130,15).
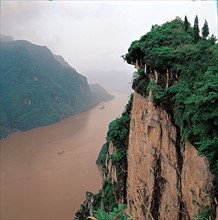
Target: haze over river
(39,183)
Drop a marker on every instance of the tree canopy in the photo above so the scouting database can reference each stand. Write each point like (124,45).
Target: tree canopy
(205,30)
(196,29)
(186,24)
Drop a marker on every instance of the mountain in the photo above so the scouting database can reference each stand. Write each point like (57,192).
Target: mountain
(160,159)
(37,87)
(63,62)
(6,38)
(100,93)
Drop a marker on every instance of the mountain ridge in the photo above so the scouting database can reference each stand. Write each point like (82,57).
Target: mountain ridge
(38,88)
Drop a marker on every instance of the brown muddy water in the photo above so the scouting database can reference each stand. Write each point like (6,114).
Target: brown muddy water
(46,171)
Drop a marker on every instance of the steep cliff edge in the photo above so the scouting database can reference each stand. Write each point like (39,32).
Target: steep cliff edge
(174,130)
(159,176)
(166,178)
(167,168)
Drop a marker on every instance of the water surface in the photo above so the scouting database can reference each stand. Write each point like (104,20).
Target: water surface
(46,171)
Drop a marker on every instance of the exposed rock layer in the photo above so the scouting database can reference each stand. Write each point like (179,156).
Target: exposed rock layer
(162,177)
(166,178)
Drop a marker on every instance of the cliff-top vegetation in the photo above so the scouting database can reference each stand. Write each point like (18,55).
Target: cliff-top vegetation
(179,66)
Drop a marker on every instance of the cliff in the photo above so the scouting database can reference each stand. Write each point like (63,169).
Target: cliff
(166,178)
(160,176)
(162,160)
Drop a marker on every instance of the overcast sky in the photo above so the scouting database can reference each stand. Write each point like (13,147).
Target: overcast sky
(92,35)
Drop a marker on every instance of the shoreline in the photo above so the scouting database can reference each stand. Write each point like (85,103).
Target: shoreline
(20,131)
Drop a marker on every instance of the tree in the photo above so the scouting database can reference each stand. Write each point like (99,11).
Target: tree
(196,30)
(117,213)
(212,39)
(186,24)
(205,30)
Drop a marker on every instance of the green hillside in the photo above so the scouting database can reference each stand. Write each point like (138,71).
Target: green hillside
(37,89)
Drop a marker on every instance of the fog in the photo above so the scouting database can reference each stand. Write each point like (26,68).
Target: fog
(92,35)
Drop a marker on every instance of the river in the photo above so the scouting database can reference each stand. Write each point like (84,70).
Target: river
(46,171)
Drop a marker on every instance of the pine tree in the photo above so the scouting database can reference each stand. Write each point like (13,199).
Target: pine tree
(196,30)
(212,39)
(186,23)
(205,30)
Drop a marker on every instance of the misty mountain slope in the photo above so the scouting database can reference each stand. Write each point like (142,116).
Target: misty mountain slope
(37,89)
(6,38)
(100,93)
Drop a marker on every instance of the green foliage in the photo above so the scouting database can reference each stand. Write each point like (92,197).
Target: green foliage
(96,202)
(197,113)
(158,47)
(117,155)
(140,84)
(104,198)
(108,198)
(84,210)
(186,24)
(117,213)
(134,52)
(118,131)
(159,93)
(205,30)
(103,154)
(196,30)
(141,73)
(205,213)
(212,39)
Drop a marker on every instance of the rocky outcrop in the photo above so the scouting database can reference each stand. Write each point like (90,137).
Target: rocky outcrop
(166,177)
(117,172)
(196,180)
(109,167)
(161,177)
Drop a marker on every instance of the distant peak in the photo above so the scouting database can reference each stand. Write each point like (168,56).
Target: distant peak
(6,38)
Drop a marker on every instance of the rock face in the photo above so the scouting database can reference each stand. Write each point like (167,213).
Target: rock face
(161,177)
(117,172)
(110,170)
(166,178)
